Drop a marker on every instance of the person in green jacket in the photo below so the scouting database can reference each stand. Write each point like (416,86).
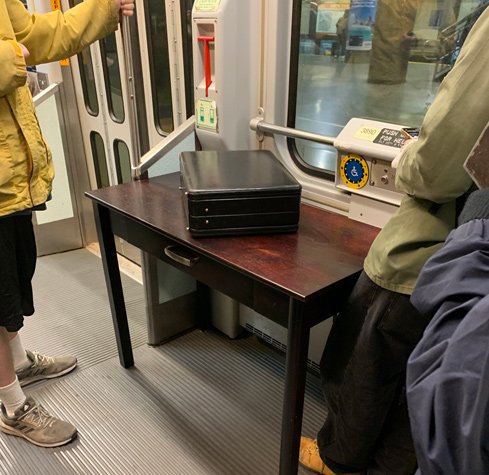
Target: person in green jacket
(364,362)
(26,174)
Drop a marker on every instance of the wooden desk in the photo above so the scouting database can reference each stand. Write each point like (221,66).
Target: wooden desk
(296,280)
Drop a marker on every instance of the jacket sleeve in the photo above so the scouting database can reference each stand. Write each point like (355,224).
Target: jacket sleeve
(432,168)
(56,35)
(447,373)
(448,393)
(12,73)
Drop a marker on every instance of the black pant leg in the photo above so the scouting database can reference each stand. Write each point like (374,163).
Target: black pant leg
(363,368)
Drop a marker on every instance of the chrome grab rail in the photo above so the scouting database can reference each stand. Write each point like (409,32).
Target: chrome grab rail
(132,108)
(45,94)
(261,127)
(163,147)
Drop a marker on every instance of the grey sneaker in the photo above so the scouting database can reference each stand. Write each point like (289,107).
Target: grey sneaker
(45,367)
(35,424)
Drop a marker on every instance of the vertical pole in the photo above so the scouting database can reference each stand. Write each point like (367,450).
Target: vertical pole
(135,155)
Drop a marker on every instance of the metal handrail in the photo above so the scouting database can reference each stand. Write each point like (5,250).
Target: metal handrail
(257,124)
(45,94)
(163,147)
(462,23)
(132,108)
(188,127)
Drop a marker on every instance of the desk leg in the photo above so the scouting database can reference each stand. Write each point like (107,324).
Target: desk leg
(114,284)
(295,383)
(204,306)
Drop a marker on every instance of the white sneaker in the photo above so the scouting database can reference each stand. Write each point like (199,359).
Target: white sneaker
(32,422)
(45,367)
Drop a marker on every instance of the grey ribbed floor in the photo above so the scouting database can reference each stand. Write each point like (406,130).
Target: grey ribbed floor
(202,404)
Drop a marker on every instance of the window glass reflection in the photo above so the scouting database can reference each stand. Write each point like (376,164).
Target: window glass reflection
(88,82)
(122,162)
(378,59)
(87,76)
(112,75)
(99,160)
(159,64)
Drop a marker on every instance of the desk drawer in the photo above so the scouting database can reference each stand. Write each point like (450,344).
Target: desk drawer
(206,270)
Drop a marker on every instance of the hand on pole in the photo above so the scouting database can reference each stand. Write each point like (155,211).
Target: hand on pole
(126,7)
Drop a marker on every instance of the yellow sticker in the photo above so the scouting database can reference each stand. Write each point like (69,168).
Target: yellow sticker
(367,132)
(206,5)
(55,5)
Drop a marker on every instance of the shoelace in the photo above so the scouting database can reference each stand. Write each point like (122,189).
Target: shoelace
(37,416)
(42,360)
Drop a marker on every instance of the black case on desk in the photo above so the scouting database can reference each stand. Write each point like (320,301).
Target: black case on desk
(238,192)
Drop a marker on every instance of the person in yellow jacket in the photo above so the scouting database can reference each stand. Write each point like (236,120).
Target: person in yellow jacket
(26,174)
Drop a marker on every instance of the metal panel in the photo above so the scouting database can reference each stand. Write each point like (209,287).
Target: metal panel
(57,230)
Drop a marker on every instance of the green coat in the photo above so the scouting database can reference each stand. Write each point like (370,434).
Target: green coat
(26,169)
(431,171)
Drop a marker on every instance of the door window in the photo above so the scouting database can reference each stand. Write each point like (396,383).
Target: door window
(159,63)
(112,75)
(99,160)
(122,162)
(88,82)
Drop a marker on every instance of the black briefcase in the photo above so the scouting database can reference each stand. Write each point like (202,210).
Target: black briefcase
(238,192)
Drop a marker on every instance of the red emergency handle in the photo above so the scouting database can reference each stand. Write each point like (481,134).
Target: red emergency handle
(207,61)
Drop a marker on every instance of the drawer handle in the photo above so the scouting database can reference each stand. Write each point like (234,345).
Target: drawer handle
(181,255)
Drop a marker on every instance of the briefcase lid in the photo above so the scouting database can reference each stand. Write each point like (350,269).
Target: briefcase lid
(212,172)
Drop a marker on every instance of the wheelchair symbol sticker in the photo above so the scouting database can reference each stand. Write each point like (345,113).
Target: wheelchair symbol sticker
(354,171)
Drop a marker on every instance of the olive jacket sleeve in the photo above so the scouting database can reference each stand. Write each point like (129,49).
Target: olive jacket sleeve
(432,168)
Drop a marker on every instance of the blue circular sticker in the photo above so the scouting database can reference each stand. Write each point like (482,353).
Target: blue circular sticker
(354,170)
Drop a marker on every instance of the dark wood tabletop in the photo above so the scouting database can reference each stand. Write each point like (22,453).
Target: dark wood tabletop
(327,248)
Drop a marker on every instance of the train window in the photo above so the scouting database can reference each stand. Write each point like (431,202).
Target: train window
(87,76)
(160,66)
(380,59)
(99,160)
(88,82)
(122,162)
(112,75)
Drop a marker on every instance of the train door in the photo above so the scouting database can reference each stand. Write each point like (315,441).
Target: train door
(130,93)
(102,101)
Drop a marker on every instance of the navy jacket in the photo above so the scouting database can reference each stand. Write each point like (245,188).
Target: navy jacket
(448,372)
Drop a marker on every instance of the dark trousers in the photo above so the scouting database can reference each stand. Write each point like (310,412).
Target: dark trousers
(363,372)
(17,264)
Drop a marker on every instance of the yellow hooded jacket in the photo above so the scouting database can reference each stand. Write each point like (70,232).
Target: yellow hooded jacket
(26,169)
